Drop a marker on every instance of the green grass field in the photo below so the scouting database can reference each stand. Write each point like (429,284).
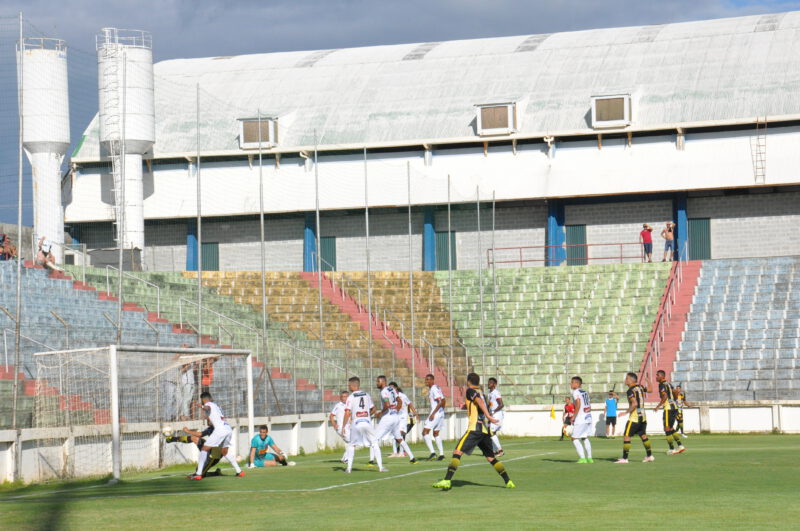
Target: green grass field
(723,481)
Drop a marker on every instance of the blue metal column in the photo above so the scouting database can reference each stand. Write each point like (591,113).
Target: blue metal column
(191,245)
(556,237)
(310,243)
(681,222)
(429,240)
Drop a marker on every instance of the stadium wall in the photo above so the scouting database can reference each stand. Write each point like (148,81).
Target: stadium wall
(43,450)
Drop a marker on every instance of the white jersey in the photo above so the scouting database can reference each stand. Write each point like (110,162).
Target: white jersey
(585,415)
(359,404)
(338,413)
(389,398)
(435,395)
(404,407)
(215,415)
(494,402)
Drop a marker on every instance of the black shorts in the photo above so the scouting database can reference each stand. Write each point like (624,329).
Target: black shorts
(611,421)
(679,416)
(635,428)
(471,439)
(567,421)
(670,415)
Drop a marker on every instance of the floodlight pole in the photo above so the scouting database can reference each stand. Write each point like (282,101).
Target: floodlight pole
(319,281)
(116,448)
(199,226)
(263,251)
(369,275)
(411,289)
(17,473)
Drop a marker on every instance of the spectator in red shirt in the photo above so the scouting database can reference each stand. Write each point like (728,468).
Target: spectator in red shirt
(646,237)
(569,414)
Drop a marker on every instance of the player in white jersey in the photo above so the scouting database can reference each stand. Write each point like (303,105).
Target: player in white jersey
(435,421)
(389,423)
(408,415)
(582,424)
(358,411)
(496,408)
(336,419)
(220,437)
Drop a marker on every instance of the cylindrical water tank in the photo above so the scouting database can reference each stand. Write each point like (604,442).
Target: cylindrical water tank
(45,136)
(125,77)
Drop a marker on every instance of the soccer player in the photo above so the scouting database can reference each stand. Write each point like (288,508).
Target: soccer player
(260,455)
(435,421)
(221,436)
(566,418)
(682,403)
(336,419)
(611,414)
(199,438)
(637,420)
(408,414)
(479,433)
(496,407)
(582,428)
(389,423)
(670,413)
(358,412)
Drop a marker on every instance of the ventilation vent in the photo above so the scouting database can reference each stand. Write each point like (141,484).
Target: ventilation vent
(312,59)
(496,119)
(251,138)
(420,51)
(769,22)
(611,111)
(532,42)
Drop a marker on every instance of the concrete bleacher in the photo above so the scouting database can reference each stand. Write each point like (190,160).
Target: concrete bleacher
(742,336)
(552,323)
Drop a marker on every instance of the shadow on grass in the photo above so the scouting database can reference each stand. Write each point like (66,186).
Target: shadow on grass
(464,483)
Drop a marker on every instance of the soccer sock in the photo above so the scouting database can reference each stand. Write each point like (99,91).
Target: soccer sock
(626,449)
(374,449)
(671,441)
(453,466)
(349,456)
(210,462)
(677,437)
(496,444)
(201,461)
(378,456)
(439,444)
(232,460)
(394,447)
(647,447)
(680,427)
(588,446)
(178,438)
(428,438)
(498,466)
(579,447)
(406,449)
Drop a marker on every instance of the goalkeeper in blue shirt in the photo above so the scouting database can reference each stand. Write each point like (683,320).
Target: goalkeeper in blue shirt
(260,454)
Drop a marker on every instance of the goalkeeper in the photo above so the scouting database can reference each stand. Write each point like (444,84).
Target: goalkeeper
(260,455)
(199,438)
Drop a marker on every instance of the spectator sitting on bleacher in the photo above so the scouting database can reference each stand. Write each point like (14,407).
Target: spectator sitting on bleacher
(7,251)
(44,256)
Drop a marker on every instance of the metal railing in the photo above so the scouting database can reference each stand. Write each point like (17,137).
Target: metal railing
(556,254)
(139,279)
(322,261)
(66,326)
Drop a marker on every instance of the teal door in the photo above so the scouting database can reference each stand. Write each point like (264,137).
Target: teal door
(443,247)
(210,256)
(576,235)
(328,245)
(699,239)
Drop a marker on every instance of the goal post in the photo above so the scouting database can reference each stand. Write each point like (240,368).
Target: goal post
(101,411)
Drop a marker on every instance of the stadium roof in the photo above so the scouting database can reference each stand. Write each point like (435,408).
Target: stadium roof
(705,73)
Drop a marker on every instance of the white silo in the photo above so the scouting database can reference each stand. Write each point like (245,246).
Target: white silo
(45,137)
(125,80)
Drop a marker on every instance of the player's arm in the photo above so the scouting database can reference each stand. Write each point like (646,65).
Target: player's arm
(631,408)
(478,401)
(500,405)
(439,405)
(686,404)
(411,409)
(398,404)
(252,455)
(578,406)
(276,449)
(193,433)
(332,420)
(385,404)
(664,397)
(346,418)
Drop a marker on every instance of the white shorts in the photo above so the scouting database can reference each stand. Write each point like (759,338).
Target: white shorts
(345,433)
(499,426)
(388,425)
(362,434)
(220,437)
(436,424)
(403,423)
(580,431)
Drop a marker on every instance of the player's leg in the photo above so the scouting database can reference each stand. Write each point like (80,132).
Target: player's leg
(369,438)
(485,444)
(213,459)
(646,442)
(465,444)
(428,438)
(227,455)
(675,435)
(399,438)
(587,446)
(437,435)
(201,461)
(579,448)
(580,432)
(626,442)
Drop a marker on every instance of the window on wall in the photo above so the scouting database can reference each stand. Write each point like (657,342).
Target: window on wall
(496,119)
(445,251)
(611,111)
(576,245)
(251,135)
(328,254)
(210,256)
(699,239)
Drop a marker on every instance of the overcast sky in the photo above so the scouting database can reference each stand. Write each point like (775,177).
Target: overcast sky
(201,28)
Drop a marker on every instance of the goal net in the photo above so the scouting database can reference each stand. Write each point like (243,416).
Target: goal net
(102,411)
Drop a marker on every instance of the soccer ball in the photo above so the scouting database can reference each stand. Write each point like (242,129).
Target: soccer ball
(291,463)
(167,431)
(568,430)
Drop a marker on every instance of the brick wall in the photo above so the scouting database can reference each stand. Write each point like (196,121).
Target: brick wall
(752,224)
(620,223)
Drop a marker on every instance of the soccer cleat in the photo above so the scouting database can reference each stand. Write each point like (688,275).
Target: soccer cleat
(348,471)
(240,474)
(432,457)
(510,485)
(440,458)
(371,464)
(670,451)
(581,461)
(648,459)
(680,450)
(589,460)
(621,461)
(197,478)
(684,435)
(443,484)
(383,469)
(412,462)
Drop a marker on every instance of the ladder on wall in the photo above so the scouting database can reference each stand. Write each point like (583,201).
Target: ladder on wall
(758,151)
(113,113)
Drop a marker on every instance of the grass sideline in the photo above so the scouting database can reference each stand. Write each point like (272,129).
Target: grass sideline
(722,481)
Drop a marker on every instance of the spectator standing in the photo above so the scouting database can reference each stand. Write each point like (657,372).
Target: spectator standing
(646,238)
(611,414)
(569,414)
(668,233)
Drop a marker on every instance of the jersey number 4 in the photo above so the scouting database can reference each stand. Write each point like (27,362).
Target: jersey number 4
(361,403)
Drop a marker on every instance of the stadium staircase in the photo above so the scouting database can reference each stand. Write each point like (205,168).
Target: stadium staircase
(742,334)
(551,323)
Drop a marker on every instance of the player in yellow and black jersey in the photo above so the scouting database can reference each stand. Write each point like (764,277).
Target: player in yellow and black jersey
(680,399)
(637,420)
(670,405)
(479,434)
